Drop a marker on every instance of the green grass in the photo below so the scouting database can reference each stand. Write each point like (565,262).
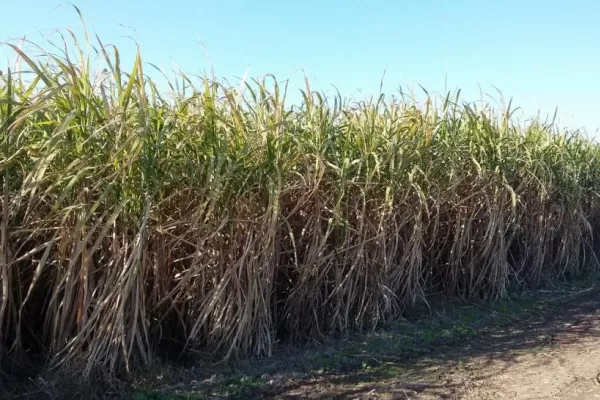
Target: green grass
(230,388)
(218,218)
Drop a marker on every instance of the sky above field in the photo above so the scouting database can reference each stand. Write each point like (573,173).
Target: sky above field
(543,54)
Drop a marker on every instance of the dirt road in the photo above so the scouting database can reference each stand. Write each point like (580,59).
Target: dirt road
(566,367)
(554,355)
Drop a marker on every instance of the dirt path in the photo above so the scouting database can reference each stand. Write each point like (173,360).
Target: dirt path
(566,372)
(566,367)
(551,355)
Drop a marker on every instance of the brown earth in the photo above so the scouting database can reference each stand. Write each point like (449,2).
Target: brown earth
(552,356)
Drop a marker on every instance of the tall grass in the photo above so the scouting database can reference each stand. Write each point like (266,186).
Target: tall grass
(221,219)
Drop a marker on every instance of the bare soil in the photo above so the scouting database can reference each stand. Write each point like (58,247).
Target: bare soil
(551,356)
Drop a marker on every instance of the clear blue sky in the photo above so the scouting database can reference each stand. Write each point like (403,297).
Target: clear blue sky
(542,53)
